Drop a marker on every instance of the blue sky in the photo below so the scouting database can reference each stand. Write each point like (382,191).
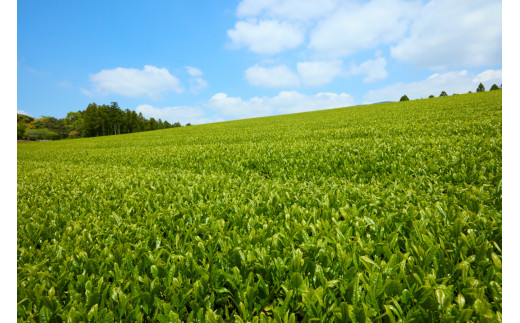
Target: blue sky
(206,61)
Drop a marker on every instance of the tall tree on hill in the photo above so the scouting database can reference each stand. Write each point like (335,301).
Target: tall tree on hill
(481,88)
(115,117)
(494,87)
(443,93)
(404,98)
(91,120)
(75,124)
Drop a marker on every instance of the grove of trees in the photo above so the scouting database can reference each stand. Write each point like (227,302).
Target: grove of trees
(95,120)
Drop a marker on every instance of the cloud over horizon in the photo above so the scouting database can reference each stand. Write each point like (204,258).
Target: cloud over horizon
(452,82)
(222,107)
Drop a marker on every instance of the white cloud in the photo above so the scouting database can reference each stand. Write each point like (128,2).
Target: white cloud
(301,10)
(266,36)
(374,69)
(319,73)
(182,114)
(452,34)
(313,73)
(222,107)
(451,82)
(151,81)
(357,26)
(197,84)
(489,75)
(277,76)
(193,71)
(283,103)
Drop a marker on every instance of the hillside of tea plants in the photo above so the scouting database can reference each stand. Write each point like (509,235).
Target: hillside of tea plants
(384,213)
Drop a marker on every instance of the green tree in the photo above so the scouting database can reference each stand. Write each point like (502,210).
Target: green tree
(153,124)
(481,88)
(56,125)
(494,87)
(91,120)
(23,119)
(20,130)
(431,96)
(443,93)
(74,122)
(404,98)
(40,134)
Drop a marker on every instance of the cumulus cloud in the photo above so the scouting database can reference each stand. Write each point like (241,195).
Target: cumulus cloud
(453,34)
(266,36)
(319,73)
(489,75)
(151,81)
(277,76)
(222,107)
(197,83)
(182,114)
(312,73)
(373,69)
(299,10)
(283,103)
(451,82)
(357,26)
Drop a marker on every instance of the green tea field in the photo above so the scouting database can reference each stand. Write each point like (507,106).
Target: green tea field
(378,213)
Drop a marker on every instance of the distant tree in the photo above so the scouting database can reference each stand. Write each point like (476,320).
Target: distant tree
(494,87)
(481,88)
(20,130)
(40,134)
(23,119)
(56,125)
(188,124)
(37,124)
(431,96)
(176,125)
(74,122)
(443,93)
(92,120)
(167,124)
(404,98)
(153,124)
(469,92)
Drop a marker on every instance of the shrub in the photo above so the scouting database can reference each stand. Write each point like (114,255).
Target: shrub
(40,134)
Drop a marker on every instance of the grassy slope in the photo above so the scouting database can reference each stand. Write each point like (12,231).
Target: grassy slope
(312,194)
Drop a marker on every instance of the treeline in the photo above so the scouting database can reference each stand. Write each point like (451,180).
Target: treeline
(480,88)
(95,120)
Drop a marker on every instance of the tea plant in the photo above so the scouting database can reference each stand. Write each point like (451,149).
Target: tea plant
(384,213)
